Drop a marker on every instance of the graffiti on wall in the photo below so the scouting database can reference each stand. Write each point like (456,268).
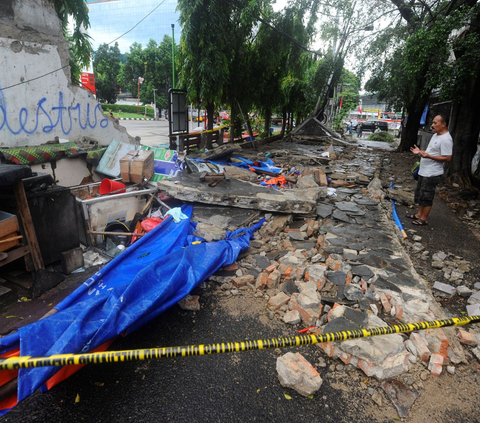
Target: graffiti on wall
(46,118)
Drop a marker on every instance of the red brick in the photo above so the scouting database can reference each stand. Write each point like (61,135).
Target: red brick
(367,367)
(467,338)
(273,279)
(364,286)
(435,364)
(287,244)
(308,316)
(348,281)
(262,280)
(328,348)
(422,349)
(233,266)
(385,303)
(272,267)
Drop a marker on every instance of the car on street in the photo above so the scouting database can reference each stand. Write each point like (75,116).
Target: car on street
(373,125)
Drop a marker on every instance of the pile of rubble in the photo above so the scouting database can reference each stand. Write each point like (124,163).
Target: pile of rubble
(343,269)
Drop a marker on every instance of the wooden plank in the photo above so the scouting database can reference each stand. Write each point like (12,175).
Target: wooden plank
(14,255)
(26,217)
(8,223)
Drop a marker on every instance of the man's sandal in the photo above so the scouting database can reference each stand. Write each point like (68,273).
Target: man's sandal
(420,222)
(411,216)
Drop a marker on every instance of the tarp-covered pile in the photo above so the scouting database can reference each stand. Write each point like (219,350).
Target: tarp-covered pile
(150,276)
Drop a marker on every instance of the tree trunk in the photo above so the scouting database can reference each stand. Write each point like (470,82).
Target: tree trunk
(268,119)
(233,116)
(210,110)
(410,131)
(465,128)
(284,122)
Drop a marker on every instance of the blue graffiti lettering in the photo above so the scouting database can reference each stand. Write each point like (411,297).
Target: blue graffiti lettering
(63,117)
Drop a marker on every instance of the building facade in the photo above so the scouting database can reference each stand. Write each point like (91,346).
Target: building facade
(143,20)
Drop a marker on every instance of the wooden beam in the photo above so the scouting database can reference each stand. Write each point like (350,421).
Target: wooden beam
(24,210)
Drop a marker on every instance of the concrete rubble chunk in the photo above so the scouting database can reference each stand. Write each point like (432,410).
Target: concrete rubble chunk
(295,372)
(292,317)
(278,300)
(464,291)
(443,287)
(473,310)
(474,298)
(241,194)
(440,256)
(240,281)
(209,232)
(402,396)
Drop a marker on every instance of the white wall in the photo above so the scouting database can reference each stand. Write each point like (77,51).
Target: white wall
(37,101)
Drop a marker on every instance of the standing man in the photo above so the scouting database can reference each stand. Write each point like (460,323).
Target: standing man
(438,152)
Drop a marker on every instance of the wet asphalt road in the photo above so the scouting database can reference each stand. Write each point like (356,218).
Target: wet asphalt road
(241,387)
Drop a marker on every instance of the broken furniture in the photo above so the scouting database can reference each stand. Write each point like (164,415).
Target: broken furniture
(95,211)
(47,225)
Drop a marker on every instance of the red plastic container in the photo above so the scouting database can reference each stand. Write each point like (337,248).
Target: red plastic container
(107,186)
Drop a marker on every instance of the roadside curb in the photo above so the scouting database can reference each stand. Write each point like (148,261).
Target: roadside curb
(136,119)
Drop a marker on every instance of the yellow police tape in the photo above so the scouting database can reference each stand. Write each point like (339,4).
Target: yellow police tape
(293,341)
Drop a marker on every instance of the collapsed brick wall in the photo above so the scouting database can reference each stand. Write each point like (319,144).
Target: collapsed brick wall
(37,100)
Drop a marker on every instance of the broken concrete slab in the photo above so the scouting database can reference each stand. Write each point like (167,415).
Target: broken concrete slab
(241,194)
(295,372)
(209,232)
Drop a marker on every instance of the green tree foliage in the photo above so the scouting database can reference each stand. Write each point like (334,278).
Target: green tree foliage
(205,52)
(106,66)
(152,63)
(78,40)
(436,48)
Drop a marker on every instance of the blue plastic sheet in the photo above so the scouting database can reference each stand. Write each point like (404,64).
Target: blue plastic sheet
(268,165)
(153,274)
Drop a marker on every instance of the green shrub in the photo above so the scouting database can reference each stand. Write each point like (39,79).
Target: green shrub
(127,108)
(381,136)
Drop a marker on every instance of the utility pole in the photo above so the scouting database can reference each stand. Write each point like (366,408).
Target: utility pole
(173,55)
(154,105)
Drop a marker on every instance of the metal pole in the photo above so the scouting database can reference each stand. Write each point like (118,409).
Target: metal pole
(173,55)
(138,96)
(154,104)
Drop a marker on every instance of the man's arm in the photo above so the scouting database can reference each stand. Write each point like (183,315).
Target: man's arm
(436,158)
(424,154)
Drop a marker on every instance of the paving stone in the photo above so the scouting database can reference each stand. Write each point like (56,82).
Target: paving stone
(381,283)
(340,324)
(289,287)
(464,291)
(337,277)
(343,217)
(443,287)
(348,206)
(332,250)
(353,292)
(303,245)
(473,310)
(363,271)
(262,261)
(324,210)
(401,396)
(297,235)
(474,298)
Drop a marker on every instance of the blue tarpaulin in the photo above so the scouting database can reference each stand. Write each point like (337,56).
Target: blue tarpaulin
(153,274)
(268,165)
